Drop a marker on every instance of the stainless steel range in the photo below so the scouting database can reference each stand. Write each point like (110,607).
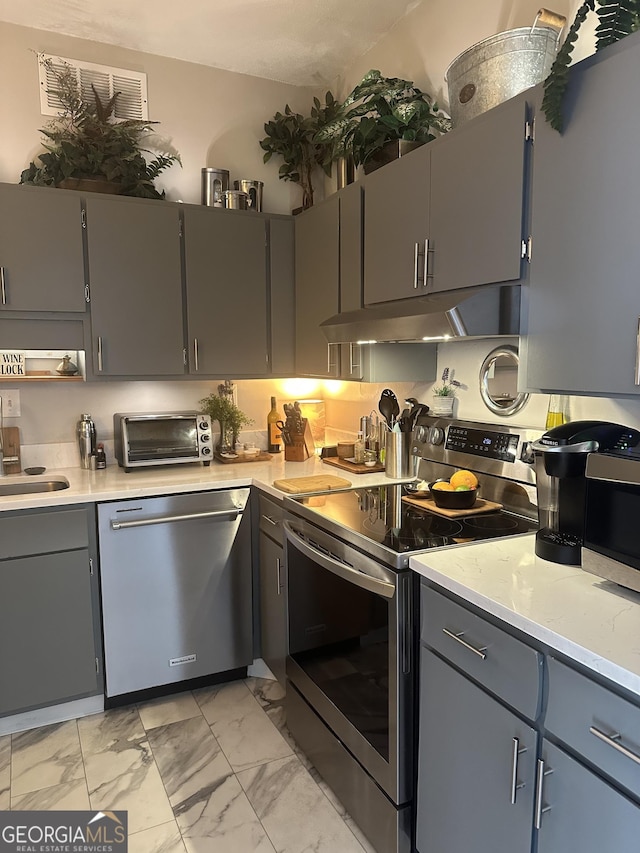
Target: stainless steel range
(353,613)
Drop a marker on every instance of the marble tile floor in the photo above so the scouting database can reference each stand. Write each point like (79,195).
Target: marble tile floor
(213,770)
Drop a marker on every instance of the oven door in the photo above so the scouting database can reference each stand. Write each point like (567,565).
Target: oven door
(350,650)
(160,439)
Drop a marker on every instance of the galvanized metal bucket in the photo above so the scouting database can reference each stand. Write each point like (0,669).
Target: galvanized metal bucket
(497,68)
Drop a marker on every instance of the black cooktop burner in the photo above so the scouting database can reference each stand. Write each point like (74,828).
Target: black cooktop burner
(380,515)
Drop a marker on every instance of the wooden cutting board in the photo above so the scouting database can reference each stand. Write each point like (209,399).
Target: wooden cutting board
(11,444)
(429,504)
(354,467)
(314,483)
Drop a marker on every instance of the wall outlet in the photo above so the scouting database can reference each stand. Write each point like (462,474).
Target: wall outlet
(10,403)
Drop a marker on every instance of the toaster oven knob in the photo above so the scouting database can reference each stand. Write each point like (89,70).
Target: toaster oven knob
(205,438)
(204,425)
(206,451)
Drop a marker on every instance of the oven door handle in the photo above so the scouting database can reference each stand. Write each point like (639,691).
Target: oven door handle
(379,587)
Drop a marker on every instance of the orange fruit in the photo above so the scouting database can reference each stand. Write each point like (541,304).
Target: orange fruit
(464,478)
(443,487)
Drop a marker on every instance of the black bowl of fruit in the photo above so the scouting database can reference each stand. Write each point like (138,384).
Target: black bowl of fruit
(459,492)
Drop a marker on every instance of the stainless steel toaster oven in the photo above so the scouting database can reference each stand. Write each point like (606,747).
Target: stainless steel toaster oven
(144,439)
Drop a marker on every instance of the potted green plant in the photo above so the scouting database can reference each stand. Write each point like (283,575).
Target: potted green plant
(444,394)
(381,119)
(617,20)
(293,137)
(85,143)
(230,419)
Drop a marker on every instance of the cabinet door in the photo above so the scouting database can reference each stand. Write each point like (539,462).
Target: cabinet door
(273,607)
(317,250)
(136,287)
(47,649)
(41,257)
(477,200)
(396,226)
(581,811)
(476,765)
(227,296)
(283,309)
(583,299)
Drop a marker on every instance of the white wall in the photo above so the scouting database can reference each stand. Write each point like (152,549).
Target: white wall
(212,117)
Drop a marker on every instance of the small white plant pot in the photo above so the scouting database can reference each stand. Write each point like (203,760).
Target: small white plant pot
(442,406)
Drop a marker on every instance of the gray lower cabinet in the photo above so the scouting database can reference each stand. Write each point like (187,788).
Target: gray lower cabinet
(226,292)
(476,767)
(41,253)
(49,622)
(273,588)
(136,287)
(581,811)
(582,317)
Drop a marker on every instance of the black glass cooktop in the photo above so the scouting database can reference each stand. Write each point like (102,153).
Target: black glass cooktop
(380,515)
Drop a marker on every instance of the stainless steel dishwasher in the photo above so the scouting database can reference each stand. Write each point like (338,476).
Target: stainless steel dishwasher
(176,589)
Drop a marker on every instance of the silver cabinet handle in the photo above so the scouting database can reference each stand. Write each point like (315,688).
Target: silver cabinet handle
(540,809)
(637,376)
(99,353)
(3,288)
(169,519)
(612,740)
(427,253)
(270,520)
(515,752)
(331,368)
(278,570)
(458,638)
(195,354)
(416,256)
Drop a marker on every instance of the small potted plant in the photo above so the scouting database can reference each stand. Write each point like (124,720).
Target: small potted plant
(444,394)
(87,149)
(383,118)
(230,420)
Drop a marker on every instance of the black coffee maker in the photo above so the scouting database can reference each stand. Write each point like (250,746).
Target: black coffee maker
(561,459)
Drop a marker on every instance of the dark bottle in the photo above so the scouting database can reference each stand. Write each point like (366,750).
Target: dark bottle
(274,437)
(101,457)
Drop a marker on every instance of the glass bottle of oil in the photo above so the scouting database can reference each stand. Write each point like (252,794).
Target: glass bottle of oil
(558,411)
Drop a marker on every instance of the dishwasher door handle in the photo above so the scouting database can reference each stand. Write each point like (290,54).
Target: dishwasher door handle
(231,514)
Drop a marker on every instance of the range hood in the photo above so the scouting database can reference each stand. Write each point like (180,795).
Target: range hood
(480,313)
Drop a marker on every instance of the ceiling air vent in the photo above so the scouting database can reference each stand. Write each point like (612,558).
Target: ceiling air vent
(132,85)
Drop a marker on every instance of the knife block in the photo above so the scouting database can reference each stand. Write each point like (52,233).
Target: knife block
(302,446)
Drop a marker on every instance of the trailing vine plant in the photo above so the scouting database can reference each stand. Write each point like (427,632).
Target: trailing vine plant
(617,20)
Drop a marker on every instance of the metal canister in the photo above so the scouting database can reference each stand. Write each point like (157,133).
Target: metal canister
(215,182)
(236,200)
(254,190)
(86,434)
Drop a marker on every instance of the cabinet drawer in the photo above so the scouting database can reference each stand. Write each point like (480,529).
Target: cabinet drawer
(28,533)
(271,516)
(579,709)
(504,665)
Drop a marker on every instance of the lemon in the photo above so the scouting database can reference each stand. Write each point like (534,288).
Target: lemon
(464,478)
(443,487)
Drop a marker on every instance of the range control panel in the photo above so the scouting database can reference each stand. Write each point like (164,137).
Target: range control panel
(482,442)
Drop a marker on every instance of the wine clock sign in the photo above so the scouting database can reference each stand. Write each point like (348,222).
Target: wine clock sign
(12,363)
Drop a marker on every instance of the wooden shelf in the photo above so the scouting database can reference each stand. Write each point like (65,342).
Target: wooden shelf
(42,377)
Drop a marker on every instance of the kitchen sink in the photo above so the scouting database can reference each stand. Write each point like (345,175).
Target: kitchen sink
(32,487)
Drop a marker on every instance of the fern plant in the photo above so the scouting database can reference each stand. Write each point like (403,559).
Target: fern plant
(84,141)
(617,20)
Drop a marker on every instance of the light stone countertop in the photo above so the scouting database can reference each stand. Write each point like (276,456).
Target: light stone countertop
(113,483)
(592,621)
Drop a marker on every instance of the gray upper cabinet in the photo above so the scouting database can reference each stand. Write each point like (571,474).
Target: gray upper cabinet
(396,228)
(583,300)
(136,287)
(282,289)
(226,290)
(41,254)
(477,200)
(317,266)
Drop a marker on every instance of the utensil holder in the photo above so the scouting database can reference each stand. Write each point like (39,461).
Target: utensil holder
(398,461)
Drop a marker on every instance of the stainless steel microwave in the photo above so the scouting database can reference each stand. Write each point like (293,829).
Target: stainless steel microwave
(612,511)
(144,439)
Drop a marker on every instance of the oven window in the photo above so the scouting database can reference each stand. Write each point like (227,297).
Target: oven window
(165,438)
(611,524)
(339,635)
